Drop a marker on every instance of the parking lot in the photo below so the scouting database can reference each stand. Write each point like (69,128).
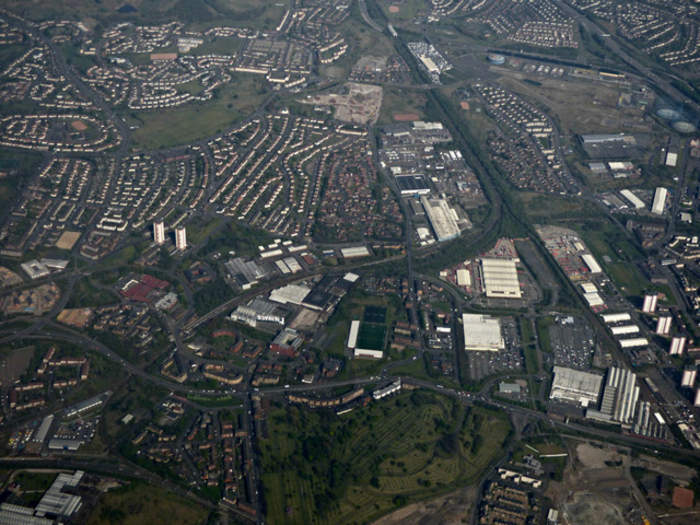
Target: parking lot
(573,342)
(484,364)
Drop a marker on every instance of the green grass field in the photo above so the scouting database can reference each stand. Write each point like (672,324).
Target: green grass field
(323,468)
(396,101)
(371,336)
(138,503)
(167,128)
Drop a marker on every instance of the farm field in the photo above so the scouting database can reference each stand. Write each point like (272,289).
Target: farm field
(322,468)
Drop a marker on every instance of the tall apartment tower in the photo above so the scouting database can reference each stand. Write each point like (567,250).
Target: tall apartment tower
(649,306)
(677,345)
(180,239)
(663,325)
(159,232)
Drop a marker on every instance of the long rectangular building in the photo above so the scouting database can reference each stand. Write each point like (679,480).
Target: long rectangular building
(441,218)
(500,278)
(659,204)
(575,386)
(482,332)
(616,318)
(591,263)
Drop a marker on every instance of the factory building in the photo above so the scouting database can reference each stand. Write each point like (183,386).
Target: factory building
(625,330)
(442,218)
(650,302)
(245,274)
(291,293)
(500,278)
(354,251)
(87,405)
(575,386)
(659,204)
(482,332)
(159,233)
(633,199)
(181,238)
(591,263)
(634,342)
(257,311)
(616,318)
(663,325)
(55,502)
(620,397)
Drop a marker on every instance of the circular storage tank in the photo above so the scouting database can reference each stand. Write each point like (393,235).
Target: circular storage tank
(668,114)
(497,59)
(682,126)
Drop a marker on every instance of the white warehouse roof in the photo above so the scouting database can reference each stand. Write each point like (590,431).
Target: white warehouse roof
(291,293)
(575,386)
(634,342)
(441,218)
(616,318)
(592,264)
(627,329)
(482,332)
(500,278)
(659,204)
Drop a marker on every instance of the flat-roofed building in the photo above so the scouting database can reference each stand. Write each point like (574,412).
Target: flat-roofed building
(482,332)
(633,199)
(575,386)
(291,293)
(634,342)
(355,251)
(500,278)
(659,204)
(616,318)
(442,218)
(591,263)
(464,278)
(625,330)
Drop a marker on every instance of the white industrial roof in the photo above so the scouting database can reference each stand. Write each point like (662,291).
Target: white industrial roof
(352,336)
(616,318)
(592,264)
(659,204)
(575,385)
(291,293)
(441,218)
(626,329)
(482,332)
(500,277)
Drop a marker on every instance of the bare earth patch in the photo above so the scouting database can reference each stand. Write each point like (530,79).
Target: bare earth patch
(406,117)
(452,508)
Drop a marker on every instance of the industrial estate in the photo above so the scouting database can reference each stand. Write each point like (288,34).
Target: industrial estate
(350,261)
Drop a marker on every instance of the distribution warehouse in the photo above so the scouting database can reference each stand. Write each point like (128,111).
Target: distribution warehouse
(575,386)
(500,278)
(442,218)
(482,332)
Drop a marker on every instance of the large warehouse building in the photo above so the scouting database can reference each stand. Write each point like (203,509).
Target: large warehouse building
(500,278)
(482,332)
(442,218)
(575,386)
(659,204)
